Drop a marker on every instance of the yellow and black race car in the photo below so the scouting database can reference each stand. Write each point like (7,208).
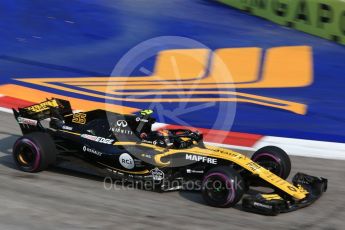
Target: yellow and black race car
(126,147)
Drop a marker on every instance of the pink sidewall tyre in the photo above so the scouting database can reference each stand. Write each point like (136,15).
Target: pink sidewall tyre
(222,187)
(274,159)
(34,152)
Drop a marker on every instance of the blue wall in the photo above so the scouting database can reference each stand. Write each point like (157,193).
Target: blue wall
(58,38)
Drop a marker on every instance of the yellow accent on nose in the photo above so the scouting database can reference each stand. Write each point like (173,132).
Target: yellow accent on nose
(271,196)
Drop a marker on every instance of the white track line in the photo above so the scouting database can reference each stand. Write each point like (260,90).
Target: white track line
(305,148)
(231,146)
(158,125)
(6,110)
(294,147)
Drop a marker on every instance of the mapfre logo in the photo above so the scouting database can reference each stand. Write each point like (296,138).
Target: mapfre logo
(191,77)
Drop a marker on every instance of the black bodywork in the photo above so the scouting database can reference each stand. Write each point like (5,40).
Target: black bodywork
(126,147)
(93,136)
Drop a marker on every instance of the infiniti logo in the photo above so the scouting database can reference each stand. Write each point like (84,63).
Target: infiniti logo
(122,123)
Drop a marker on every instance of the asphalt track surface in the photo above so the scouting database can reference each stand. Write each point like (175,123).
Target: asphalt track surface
(71,199)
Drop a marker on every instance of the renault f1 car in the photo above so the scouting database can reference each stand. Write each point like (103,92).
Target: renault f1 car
(126,146)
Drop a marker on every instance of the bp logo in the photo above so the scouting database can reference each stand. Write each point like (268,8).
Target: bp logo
(126,161)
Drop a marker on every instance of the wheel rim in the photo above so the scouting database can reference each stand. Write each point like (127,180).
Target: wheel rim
(269,162)
(27,155)
(219,188)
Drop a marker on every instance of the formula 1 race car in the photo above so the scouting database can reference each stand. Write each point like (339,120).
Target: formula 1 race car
(126,147)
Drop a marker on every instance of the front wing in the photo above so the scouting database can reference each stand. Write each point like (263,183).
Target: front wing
(273,204)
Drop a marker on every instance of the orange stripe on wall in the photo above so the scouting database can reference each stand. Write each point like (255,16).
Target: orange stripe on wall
(36,96)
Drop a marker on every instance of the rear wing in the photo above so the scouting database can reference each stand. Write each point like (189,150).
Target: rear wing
(29,117)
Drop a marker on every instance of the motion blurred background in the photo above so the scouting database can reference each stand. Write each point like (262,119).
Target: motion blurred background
(298,45)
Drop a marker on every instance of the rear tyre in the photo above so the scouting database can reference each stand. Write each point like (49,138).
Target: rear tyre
(222,187)
(274,159)
(34,152)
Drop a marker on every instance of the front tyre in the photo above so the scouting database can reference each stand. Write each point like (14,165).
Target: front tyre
(274,159)
(222,187)
(34,152)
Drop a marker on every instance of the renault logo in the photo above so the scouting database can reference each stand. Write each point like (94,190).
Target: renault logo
(122,123)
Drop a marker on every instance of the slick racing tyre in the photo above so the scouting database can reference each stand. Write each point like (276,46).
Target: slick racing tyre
(34,152)
(274,159)
(222,187)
